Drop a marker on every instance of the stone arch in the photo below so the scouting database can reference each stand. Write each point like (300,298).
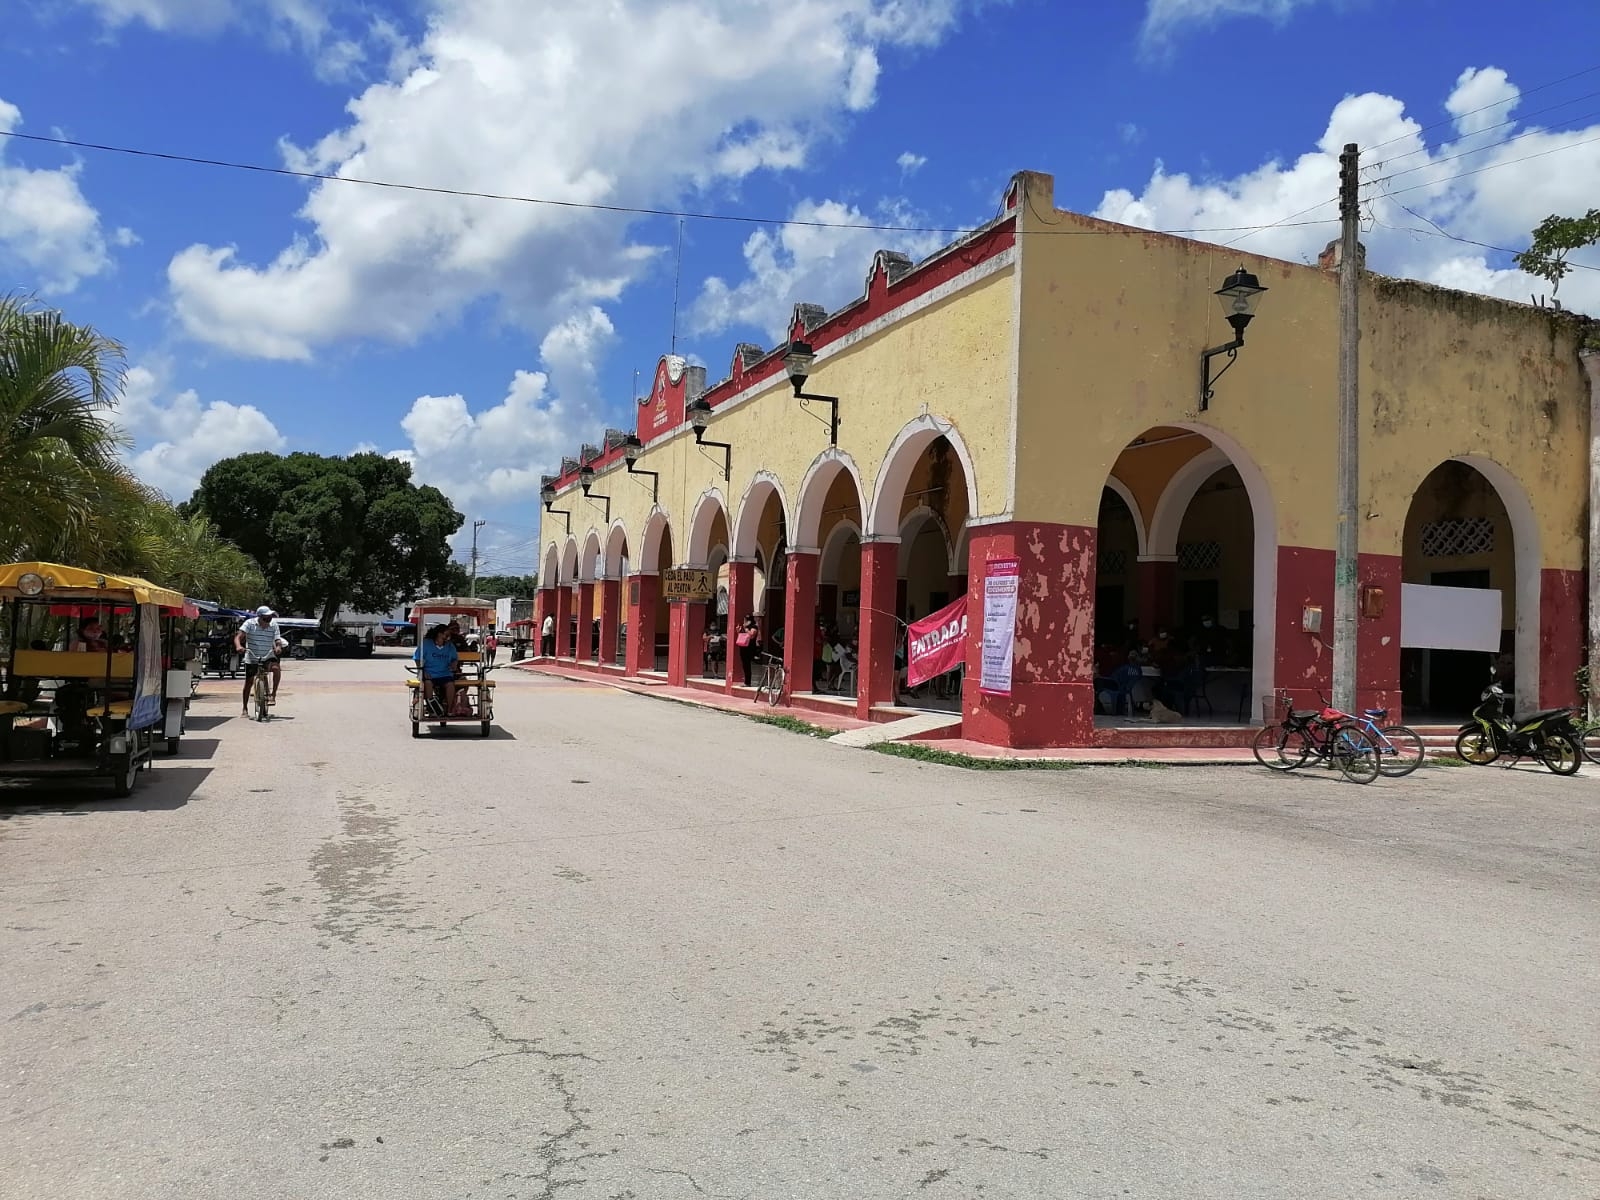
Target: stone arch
(589,568)
(569,561)
(1161,539)
(833,550)
(814,491)
(616,550)
(1126,493)
(916,436)
(1527,570)
(752,507)
(959,548)
(701,525)
(657,534)
(911,528)
(550,573)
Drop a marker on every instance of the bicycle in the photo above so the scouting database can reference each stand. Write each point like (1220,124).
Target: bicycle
(1394,760)
(1589,741)
(261,690)
(773,680)
(1328,736)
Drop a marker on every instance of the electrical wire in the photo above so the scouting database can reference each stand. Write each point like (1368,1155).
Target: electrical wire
(1454,117)
(1439,162)
(590,206)
(1519,119)
(1491,167)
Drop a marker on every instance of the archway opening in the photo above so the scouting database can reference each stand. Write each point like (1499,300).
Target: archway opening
(837,618)
(713,651)
(1183,609)
(1464,559)
(662,633)
(931,575)
(617,568)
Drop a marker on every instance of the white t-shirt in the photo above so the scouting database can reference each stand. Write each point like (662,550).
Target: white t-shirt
(260,641)
(549,626)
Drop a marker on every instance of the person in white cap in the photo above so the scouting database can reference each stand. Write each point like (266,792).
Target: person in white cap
(260,641)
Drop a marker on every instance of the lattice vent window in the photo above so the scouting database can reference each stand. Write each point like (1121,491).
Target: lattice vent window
(1457,537)
(1199,556)
(1113,562)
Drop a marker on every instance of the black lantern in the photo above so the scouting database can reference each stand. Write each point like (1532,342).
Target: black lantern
(699,414)
(798,360)
(632,447)
(1239,294)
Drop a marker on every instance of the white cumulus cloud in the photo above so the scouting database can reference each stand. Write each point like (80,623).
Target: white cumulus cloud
(496,456)
(910,163)
(177,436)
(1164,19)
(799,263)
(1488,185)
(47,227)
(630,102)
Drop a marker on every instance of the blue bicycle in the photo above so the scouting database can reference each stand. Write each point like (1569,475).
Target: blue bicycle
(1400,748)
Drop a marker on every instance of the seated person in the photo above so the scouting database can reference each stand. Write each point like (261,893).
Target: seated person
(91,636)
(438,665)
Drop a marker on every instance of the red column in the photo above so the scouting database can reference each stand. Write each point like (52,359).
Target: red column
(546,607)
(1158,595)
(1377,638)
(741,602)
(563,620)
(1561,633)
(685,642)
(880,594)
(800,619)
(610,613)
(585,649)
(1051,702)
(643,593)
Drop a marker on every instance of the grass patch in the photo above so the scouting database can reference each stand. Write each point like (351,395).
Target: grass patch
(1446,760)
(794,725)
(947,758)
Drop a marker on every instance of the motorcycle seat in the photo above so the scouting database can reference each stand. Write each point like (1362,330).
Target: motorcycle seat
(1542,715)
(1308,714)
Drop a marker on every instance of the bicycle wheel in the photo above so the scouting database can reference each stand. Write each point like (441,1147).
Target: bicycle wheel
(1400,751)
(1591,743)
(1355,754)
(1280,749)
(775,690)
(262,694)
(1561,754)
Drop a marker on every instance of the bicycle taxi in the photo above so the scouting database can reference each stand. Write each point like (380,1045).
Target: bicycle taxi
(474,690)
(86,686)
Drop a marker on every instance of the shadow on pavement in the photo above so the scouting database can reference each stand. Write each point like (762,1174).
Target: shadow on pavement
(192,747)
(165,788)
(201,724)
(467,732)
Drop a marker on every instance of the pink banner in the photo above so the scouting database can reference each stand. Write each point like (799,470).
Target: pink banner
(937,643)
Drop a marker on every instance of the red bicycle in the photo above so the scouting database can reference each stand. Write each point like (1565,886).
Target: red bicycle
(1323,735)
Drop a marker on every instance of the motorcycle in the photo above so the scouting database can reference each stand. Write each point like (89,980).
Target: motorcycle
(1551,736)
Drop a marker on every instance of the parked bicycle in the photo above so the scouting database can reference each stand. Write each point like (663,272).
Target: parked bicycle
(1589,740)
(770,687)
(1400,748)
(1326,736)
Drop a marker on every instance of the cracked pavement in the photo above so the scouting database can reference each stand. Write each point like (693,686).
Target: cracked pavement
(627,950)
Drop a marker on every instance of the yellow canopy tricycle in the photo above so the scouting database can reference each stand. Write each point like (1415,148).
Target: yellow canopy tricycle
(84,691)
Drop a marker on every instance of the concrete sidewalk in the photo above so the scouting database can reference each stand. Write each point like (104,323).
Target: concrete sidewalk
(1196,756)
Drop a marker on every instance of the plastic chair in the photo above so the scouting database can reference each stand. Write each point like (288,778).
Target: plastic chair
(847,672)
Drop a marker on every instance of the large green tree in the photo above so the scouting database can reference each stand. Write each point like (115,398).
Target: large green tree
(520,587)
(330,532)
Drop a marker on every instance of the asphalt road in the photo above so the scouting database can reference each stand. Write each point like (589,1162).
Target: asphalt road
(627,949)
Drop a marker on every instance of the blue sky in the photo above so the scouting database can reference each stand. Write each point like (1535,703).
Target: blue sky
(483,339)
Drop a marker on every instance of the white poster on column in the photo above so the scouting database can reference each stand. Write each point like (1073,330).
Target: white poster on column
(1450,618)
(1001,577)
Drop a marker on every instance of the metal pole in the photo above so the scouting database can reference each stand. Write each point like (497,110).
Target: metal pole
(473,589)
(1347,532)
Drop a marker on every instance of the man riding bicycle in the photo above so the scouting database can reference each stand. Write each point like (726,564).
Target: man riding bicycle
(259,641)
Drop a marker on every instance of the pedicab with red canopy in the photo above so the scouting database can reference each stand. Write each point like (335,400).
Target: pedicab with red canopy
(474,690)
(85,689)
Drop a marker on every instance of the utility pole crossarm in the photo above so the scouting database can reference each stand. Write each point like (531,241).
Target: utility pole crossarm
(473,588)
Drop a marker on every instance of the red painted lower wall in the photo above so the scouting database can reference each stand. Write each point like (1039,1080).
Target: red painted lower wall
(1562,622)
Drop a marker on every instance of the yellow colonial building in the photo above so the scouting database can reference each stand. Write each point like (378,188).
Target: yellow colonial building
(1020,421)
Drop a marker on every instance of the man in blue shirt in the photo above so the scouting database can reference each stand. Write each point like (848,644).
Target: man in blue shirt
(438,660)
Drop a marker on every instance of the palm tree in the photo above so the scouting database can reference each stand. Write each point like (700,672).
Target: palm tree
(59,454)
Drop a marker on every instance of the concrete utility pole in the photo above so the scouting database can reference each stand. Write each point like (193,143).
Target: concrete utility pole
(476,525)
(1348,532)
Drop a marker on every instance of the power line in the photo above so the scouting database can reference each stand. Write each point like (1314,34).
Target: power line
(591,206)
(1439,162)
(1440,231)
(1491,167)
(1454,117)
(1519,119)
